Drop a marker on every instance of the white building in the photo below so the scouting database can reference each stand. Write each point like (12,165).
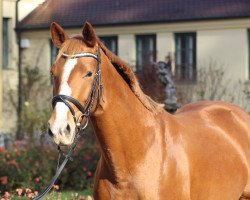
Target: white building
(9,63)
(143,31)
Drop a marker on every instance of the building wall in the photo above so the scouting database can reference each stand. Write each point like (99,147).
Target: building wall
(228,48)
(26,6)
(40,49)
(224,42)
(165,45)
(126,48)
(10,75)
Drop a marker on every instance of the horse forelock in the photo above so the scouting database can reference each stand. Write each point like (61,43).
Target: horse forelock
(76,45)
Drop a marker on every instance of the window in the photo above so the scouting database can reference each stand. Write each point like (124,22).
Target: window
(145,50)
(111,43)
(5,43)
(185,50)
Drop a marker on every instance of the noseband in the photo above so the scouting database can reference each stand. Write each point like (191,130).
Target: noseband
(85,109)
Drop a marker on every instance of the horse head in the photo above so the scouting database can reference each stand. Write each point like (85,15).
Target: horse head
(76,82)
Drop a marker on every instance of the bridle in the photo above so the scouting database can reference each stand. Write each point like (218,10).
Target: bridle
(86,110)
(95,91)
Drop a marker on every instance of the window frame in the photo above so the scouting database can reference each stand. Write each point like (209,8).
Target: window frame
(184,55)
(153,53)
(110,38)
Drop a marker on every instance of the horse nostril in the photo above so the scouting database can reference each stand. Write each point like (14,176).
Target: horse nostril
(50,132)
(68,128)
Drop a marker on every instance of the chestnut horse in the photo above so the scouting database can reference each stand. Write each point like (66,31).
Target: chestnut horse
(201,153)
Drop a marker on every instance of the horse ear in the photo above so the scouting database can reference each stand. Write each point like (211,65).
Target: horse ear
(58,35)
(89,35)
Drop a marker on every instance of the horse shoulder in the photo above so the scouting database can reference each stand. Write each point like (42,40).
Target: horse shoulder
(173,158)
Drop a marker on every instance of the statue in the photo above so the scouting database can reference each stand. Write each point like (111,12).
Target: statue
(164,72)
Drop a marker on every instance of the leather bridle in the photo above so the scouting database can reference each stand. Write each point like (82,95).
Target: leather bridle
(85,109)
(95,93)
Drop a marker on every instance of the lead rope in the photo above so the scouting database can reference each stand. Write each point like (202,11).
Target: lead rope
(67,157)
(79,132)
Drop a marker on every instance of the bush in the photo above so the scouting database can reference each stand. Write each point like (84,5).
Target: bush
(36,103)
(33,167)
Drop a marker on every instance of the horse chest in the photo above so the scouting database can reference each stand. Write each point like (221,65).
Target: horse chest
(147,181)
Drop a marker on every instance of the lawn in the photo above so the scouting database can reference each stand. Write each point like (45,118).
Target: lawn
(71,195)
(66,195)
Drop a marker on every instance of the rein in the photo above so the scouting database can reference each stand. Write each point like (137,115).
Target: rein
(95,94)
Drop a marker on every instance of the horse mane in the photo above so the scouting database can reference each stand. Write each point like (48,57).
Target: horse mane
(128,75)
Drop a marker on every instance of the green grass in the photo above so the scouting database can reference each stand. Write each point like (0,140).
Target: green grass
(68,195)
(61,195)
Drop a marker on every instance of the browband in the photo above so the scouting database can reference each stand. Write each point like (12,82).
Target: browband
(79,55)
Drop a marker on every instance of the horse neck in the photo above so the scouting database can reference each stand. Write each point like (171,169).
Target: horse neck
(122,123)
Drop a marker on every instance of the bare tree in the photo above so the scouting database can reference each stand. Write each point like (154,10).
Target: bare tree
(213,83)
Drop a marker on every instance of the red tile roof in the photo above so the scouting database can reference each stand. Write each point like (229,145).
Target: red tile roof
(73,13)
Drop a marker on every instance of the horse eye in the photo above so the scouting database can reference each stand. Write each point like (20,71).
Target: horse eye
(89,74)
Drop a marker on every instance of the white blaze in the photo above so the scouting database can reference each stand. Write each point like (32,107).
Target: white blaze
(61,109)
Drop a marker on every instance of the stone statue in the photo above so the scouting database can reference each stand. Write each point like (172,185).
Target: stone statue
(164,72)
